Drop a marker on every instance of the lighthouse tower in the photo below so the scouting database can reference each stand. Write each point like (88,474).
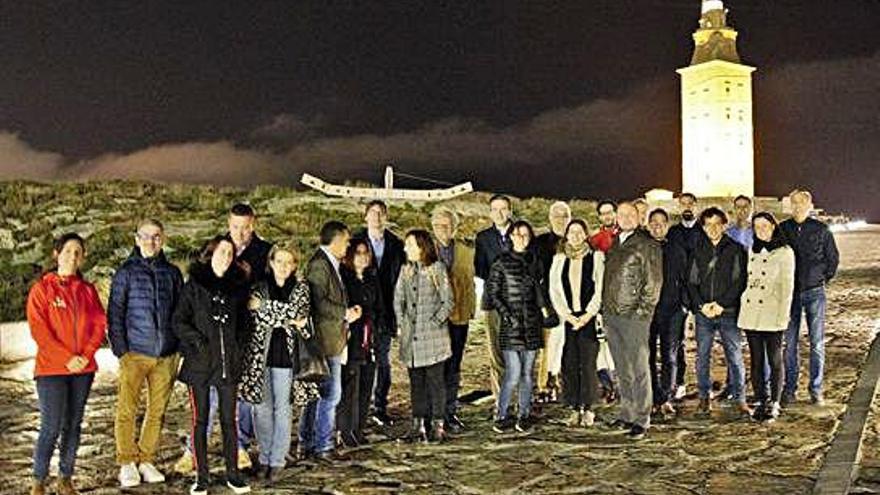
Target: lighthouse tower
(716,112)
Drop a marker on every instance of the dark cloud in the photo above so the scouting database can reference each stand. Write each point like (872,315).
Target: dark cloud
(814,121)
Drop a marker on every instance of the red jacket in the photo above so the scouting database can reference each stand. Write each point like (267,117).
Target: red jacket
(602,240)
(66,320)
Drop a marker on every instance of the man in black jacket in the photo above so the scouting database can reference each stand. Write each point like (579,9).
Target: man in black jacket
(388,257)
(816,260)
(631,288)
(489,244)
(668,315)
(143,297)
(716,278)
(686,234)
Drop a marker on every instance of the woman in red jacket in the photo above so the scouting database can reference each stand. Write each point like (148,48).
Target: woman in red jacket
(68,324)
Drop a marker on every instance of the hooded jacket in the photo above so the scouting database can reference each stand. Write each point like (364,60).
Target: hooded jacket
(211,323)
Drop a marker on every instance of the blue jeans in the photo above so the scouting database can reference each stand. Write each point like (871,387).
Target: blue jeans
(212,411)
(811,302)
(62,404)
(272,417)
(731,341)
(518,369)
(318,419)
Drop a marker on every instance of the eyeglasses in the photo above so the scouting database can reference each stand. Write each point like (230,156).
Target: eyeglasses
(147,237)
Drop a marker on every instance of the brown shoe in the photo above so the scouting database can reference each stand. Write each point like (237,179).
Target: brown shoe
(38,487)
(705,406)
(65,487)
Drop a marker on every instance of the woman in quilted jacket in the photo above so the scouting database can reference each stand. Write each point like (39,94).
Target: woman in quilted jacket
(422,303)
(68,324)
(514,290)
(279,304)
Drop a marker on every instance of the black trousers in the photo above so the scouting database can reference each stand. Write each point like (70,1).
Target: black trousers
(766,347)
(357,382)
(580,379)
(665,338)
(427,391)
(199,401)
(680,363)
(452,368)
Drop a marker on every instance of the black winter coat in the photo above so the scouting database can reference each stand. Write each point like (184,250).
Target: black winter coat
(717,273)
(393,258)
(815,252)
(143,296)
(675,267)
(256,255)
(210,321)
(514,290)
(368,295)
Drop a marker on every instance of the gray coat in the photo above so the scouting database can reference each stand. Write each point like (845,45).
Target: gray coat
(423,301)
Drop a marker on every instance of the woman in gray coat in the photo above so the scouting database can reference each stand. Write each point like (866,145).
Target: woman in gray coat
(422,303)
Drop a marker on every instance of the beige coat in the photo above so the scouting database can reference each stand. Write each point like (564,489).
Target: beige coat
(766,302)
(461,277)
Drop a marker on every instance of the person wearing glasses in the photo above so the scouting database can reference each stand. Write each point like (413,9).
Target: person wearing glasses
(143,295)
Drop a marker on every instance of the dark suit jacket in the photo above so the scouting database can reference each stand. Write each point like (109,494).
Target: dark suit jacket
(256,255)
(329,303)
(392,259)
(488,246)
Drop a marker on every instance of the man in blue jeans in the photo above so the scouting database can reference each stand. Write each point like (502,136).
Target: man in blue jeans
(816,260)
(716,279)
(331,316)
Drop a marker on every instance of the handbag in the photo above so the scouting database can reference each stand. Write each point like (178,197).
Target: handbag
(312,365)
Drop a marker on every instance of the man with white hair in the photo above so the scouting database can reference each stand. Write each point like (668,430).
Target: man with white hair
(549,359)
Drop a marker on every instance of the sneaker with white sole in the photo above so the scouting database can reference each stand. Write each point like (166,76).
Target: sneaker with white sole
(589,419)
(237,484)
(149,473)
(129,476)
(200,487)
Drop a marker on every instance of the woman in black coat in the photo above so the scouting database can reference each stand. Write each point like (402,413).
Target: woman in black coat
(514,289)
(211,322)
(362,287)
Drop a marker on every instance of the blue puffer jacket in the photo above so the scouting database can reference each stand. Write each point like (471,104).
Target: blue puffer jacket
(143,297)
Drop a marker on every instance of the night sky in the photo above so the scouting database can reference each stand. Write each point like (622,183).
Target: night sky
(567,99)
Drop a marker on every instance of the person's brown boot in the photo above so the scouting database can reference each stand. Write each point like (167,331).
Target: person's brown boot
(65,487)
(705,407)
(38,487)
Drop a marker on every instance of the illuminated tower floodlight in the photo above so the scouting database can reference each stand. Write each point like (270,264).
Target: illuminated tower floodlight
(717,155)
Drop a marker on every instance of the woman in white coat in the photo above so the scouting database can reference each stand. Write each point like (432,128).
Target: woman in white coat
(764,310)
(576,293)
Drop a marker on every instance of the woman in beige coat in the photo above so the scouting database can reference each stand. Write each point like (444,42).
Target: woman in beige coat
(764,310)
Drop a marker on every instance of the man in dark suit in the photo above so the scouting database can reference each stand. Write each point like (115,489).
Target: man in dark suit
(490,243)
(331,316)
(388,257)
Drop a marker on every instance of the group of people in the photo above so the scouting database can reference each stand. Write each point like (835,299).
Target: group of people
(251,336)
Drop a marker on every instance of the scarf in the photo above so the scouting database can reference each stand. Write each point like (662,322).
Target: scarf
(573,252)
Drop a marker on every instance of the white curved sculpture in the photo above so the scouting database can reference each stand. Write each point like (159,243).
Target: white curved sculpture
(388,192)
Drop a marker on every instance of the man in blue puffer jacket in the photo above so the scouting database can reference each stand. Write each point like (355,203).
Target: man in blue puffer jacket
(143,296)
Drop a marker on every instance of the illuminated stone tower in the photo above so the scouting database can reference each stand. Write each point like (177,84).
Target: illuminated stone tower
(717,154)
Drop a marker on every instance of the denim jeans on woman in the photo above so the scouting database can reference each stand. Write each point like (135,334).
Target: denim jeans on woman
(62,404)
(518,370)
(272,417)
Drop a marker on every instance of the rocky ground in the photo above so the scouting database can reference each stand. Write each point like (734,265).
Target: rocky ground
(687,455)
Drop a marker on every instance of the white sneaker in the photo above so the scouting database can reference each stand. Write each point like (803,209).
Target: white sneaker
(680,392)
(150,474)
(129,476)
(589,419)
